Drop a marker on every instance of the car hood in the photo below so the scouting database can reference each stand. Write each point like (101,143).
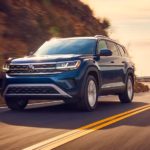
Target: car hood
(48,58)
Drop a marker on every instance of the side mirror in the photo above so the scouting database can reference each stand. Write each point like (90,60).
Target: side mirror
(105,52)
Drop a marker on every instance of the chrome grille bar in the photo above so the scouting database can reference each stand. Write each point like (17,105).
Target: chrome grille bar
(33,68)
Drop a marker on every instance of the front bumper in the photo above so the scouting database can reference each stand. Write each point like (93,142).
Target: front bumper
(67,85)
(35,91)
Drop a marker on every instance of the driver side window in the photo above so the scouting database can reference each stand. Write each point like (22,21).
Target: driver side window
(101,45)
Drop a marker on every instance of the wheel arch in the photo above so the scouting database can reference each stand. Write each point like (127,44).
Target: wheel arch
(93,71)
(130,72)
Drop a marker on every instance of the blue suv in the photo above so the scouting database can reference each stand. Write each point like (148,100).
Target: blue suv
(76,70)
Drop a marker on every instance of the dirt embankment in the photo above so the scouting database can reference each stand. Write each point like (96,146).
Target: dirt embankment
(140,87)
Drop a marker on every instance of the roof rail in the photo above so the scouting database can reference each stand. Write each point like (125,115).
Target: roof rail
(101,36)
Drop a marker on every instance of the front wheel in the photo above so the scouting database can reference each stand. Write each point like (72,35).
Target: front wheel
(89,99)
(16,103)
(128,94)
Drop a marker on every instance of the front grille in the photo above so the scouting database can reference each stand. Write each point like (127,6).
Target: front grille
(31,90)
(32,68)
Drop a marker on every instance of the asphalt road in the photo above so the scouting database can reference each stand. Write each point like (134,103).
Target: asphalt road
(37,123)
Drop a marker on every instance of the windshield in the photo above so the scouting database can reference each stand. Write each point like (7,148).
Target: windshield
(67,46)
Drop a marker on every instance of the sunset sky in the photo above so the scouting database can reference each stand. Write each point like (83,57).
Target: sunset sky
(130,25)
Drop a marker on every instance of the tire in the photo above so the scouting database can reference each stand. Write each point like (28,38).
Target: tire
(128,94)
(88,101)
(16,104)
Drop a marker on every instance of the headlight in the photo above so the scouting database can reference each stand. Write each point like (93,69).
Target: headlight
(68,65)
(6,67)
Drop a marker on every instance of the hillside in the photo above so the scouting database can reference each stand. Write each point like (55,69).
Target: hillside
(25,25)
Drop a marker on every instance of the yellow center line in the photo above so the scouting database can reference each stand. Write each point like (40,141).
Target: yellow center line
(74,134)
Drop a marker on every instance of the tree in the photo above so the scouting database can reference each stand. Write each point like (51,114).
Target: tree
(105,23)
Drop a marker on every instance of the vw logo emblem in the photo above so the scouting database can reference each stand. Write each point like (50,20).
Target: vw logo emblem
(31,68)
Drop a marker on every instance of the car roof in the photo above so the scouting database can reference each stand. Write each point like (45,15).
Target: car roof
(86,37)
(76,38)
(90,37)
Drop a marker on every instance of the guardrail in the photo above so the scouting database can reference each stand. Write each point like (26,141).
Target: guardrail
(144,79)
